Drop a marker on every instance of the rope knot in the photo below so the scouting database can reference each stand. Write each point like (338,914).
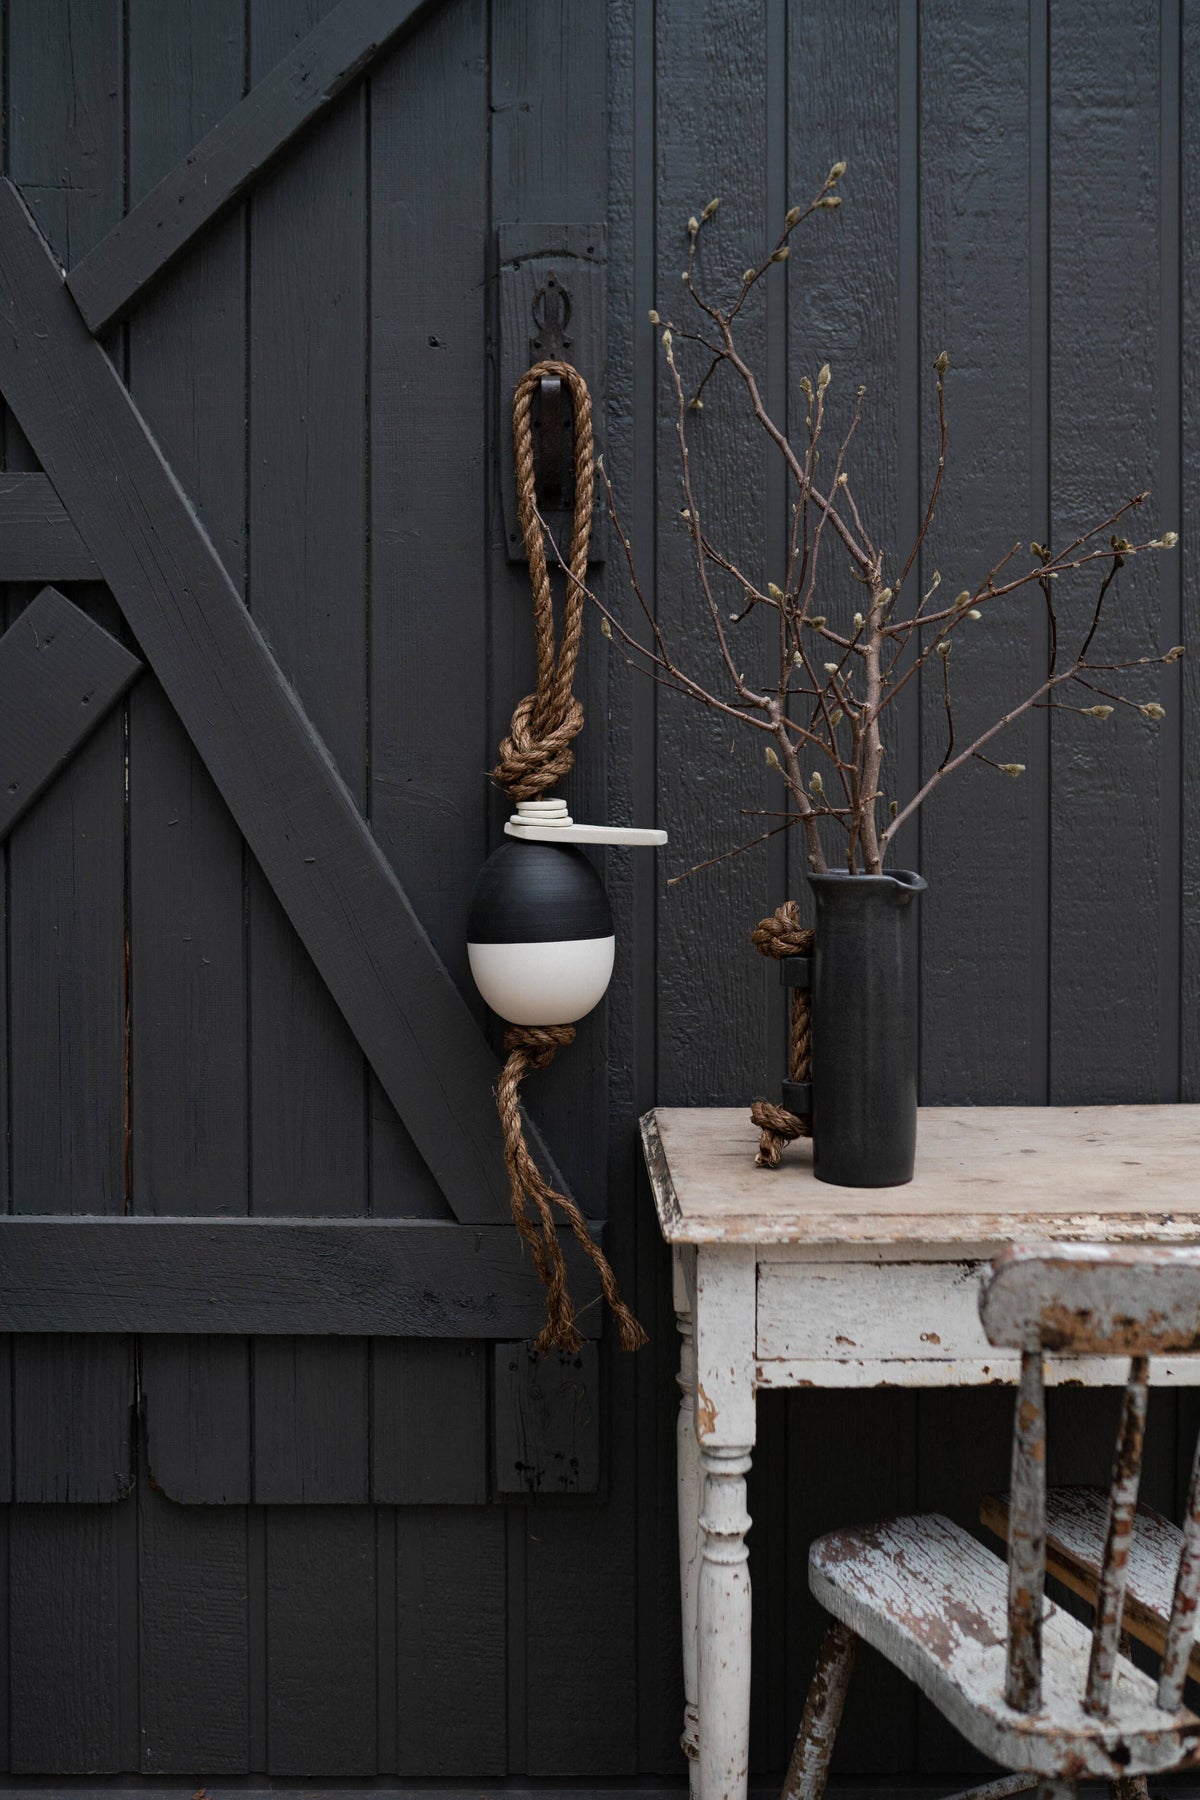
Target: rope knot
(779,936)
(537,1044)
(537,754)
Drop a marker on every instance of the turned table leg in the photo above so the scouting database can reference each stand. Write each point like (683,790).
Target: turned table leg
(724,1625)
(688,1484)
(724,1317)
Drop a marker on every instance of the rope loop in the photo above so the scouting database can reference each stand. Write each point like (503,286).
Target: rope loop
(779,936)
(537,752)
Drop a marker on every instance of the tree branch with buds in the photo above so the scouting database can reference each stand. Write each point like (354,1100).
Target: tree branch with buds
(832,678)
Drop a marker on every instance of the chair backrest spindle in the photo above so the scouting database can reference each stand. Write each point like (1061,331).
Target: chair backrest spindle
(1027,1539)
(1122,1509)
(1182,1626)
(1092,1300)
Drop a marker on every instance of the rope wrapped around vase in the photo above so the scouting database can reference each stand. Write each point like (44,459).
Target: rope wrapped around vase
(536,754)
(779,936)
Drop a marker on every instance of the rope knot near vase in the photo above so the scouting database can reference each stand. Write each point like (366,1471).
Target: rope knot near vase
(780,936)
(540,931)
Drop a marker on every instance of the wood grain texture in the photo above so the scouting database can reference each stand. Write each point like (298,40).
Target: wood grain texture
(66,949)
(429,1422)
(196,1418)
(287,101)
(321,1623)
(59,675)
(37,539)
(981,1028)
(547,1421)
(1189,698)
(259,746)
(1104,1041)
(985,1175)
(1076,1523)
(411,1277)
(897,1583)
(449,1609)
(64,1640)
(188,1044)
(426,322)
(193,1577)
(711,983)
(307,374)
(71,1419)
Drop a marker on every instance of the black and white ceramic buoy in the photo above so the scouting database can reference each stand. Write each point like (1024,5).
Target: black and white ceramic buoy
(539,929)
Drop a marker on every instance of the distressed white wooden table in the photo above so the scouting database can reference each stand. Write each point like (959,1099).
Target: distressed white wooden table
(785,1281)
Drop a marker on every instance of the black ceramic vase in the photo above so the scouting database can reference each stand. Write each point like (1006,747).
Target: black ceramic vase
(864,1028)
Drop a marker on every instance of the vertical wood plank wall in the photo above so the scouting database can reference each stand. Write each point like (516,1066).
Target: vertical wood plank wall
(320,370)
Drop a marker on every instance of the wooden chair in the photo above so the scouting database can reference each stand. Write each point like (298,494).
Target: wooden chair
(1030,1686)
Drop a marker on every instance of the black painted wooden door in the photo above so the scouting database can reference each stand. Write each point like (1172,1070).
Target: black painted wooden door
(274,1416)
(271,472)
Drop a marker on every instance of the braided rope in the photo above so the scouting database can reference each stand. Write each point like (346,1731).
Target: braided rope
(779,936)
(536,754)
(533,1047)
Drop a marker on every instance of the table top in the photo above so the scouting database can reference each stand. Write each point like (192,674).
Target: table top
(986,1176)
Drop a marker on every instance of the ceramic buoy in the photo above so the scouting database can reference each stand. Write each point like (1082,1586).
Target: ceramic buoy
(540,934)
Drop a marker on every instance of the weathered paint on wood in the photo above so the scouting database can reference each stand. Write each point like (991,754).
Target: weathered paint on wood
(1076,1522)
(933,1600)
(1085,1173)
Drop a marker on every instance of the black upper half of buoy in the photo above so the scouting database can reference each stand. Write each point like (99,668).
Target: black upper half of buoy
(529,893)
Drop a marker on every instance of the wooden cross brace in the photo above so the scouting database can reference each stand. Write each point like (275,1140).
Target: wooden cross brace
(134,522)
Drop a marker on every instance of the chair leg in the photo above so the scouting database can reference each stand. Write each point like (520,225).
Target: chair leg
(808,1770)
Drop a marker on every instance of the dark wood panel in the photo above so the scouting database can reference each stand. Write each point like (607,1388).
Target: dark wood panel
(978,836)
(1107,783)
(321,1606)
(429,1422)
(68,1088)
(429,802)
(59,675)
(65,1662)
(72,1423)
(196,1417)
(308,375)
(407,1277)
(284,791)
(188,1044)
(449,1611)
(1189,696)
(547,1421)
(37,539)
(193,1646)
(311,1430)
(296,93)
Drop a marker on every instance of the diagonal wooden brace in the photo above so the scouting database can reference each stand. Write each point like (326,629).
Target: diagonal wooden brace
(276,775)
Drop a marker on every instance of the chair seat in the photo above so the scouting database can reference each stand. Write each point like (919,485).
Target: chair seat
(1076,1523)
(934,1601)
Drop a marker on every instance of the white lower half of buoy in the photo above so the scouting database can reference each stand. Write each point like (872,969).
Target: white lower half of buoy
(550,983)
